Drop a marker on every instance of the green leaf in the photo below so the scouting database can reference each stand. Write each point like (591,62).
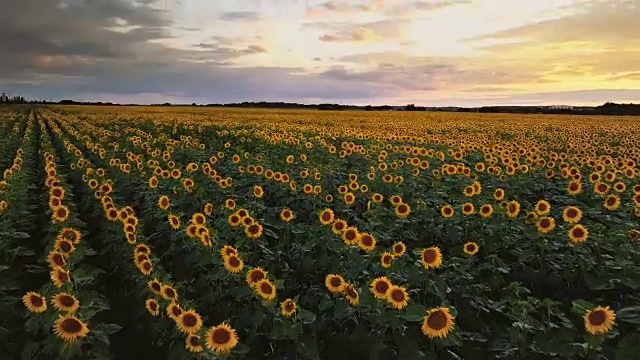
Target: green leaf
(21,251)
(15,235)
(629,314)
(414,313)
(581,306)
(307,317)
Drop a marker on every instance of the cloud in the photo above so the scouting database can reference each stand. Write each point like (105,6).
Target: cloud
(241,16)
(357,34)
(422,6)
(382,30)
(612,22)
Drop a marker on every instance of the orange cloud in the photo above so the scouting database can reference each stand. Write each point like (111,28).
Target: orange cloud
(357,34)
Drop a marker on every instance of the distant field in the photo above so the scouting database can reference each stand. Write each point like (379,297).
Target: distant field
(175,233)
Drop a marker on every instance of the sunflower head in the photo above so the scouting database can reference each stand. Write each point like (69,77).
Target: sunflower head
(366,242)
(288,307)
(221,339)
(326,216)
(152,307)
(233,264)
(65,302)
(265,289)
(431,258)
(69,328)
(470,248)
(34,302)
(599,320)
(437,323)
(255,275)
(397,297)
(192,343)
(189,322)
(399,248)
(379,287)
(334,283)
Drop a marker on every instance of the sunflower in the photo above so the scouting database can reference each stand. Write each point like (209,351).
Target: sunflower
(379,287)
(377,198)
(189,322)
(431,258)
(437,323)
(70,234)
(600,188)
(198,219)
(469,191)
(174,221)
(612,202)
(169,293)
(286,215)
(142,249)
(513,209)
(326,217)
(56,259)
(228,250)
(397,296)
(542,207)
(163,202)
(69,328)
(145,267)
(399,248)
(174,310)
(338,226)
(192,343)
(255,275)
(60,214)
(65,302)
(351,294)
(208,209)
(265,289)
(578,234)
(366,242)
(56,192)
(467,208)
(253,231)
(350,236)
(152,307)
(247,221)
(221,339)
(234,220)
(233,264)
(470,248)
(546,224)
(34,302)
(54,202)
(498,194)
(599,320)
(395,200)
(574,188)
(619,187)
(402,210)
(386,260)
(230,204)
(288,307)
(257,191)
(486,210)
(334,283)
(59,276)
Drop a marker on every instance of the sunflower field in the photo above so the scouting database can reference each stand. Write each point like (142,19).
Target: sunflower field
(190,233)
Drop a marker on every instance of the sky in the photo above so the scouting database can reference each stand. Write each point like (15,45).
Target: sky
(426,52)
